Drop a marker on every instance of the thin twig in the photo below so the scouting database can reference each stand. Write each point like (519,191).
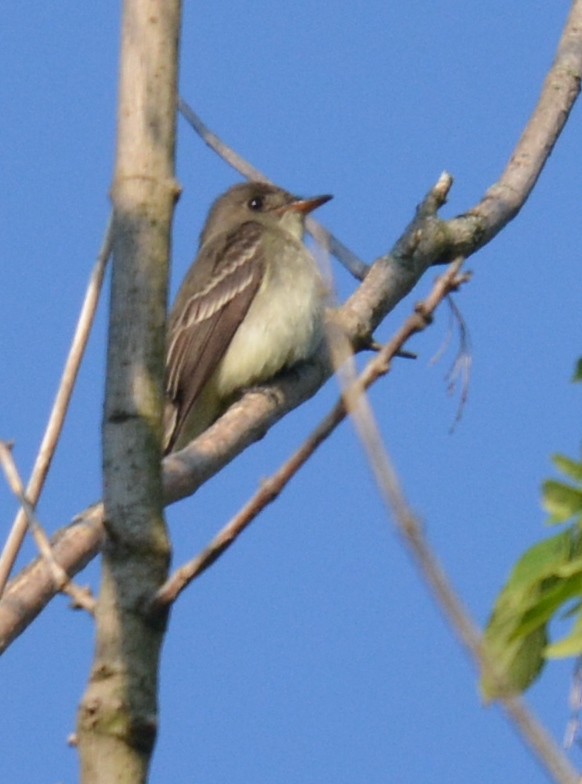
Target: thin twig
(81,596)
(272,487)
(460,372)
(461,367)
(320,234)
(60,406)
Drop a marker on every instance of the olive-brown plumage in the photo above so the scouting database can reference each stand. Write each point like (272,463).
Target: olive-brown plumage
(250,305)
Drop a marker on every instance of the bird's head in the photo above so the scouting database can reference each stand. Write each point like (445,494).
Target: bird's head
(260,202)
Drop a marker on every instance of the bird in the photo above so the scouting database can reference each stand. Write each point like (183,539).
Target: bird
(251,305)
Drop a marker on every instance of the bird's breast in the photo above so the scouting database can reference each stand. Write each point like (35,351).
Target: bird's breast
(283,326)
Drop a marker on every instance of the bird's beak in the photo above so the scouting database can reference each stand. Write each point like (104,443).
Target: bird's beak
(305,206)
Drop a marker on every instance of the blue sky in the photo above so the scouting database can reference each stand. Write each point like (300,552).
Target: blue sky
(311,651)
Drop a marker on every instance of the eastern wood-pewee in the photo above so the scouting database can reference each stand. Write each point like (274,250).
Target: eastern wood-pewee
(251,304)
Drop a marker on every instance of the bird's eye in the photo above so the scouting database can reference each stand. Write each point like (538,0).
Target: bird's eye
(256,203)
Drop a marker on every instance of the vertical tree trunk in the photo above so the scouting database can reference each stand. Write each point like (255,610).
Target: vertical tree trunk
(117,719)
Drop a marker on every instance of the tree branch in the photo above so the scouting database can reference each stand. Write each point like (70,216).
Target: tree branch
(81,596)
(60,406)
(410,530)
(427,241)
(117,717)
(270,489)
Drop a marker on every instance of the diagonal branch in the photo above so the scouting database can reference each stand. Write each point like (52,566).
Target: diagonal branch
(271,488)
(60,407)
(410,530)
(80,596)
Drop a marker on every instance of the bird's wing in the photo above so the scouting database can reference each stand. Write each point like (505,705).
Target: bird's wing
(210,306)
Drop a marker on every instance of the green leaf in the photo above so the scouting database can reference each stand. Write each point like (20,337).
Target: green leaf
(541,561)
(551,598)
(547,576)
(567,646)
(517,665)
(561,501)
(569,467)
(570,569)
